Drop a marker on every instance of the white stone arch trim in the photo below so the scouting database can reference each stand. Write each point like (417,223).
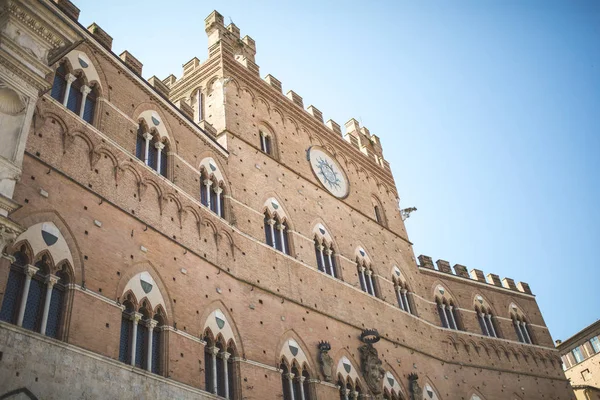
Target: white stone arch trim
(142,285)
(346,369)
(80,61)
(442,292)
(361,254)
(274,207)
(45,236)
(292,351)
(155,122)
(392,384)
(476,395)
(480,300)
(514,309)
(218,324)
(212,168)
(429,391)
(322,232)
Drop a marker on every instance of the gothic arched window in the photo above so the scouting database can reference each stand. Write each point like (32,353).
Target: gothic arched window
(486,321)
(152,150)
(74,93)
(276,232)
(404,296)
(211,193)
(220,368)
(33,297)
(366,277)
(448,314)
(325,257)
(522,329)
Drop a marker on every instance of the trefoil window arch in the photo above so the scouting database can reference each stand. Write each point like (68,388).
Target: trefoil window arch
(276,232)
(34,297)
(151,149)
(448,313)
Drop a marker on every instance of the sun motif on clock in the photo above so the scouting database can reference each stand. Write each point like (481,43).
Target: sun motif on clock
(328,171)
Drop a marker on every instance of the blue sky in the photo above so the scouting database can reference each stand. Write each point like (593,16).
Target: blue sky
(487,110)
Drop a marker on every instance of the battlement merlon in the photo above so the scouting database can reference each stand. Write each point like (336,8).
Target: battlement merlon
(229,36)
(477,275)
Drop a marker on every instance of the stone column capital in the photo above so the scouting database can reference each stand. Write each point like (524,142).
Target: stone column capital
(159,145)
(369,272)
(52,280)
(85,90)
(136,317)
(443,306)
(151,324)
(31,270)
(71,78)
(208,182)
(214,350)
(290,376)
(147,135)
(271,221)
(218,189)
(225,355)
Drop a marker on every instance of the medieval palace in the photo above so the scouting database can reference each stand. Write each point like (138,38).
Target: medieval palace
(206,236)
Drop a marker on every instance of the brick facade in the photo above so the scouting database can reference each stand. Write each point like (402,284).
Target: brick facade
(119,218)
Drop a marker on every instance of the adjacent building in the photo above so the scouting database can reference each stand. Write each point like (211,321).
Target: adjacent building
(581,361)
(206,236)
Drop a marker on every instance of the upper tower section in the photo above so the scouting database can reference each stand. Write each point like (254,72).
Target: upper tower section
(227,39)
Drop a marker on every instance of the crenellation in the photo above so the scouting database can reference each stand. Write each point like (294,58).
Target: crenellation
(68,8)
(444,266)
(191,65)
(274,82)
(132,63)
(159,86)
(494,280)
(461,270)
(185,108)
(477,275)
(235,31)
(248,41)
(425,262)
(334,126)
(170,81)
(100,35)
(295,98)
(509,283)
(249,63)
(207,127)
(524,287)
(314,111)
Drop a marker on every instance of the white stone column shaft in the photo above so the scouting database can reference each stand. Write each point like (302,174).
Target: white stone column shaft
(301,381)
(226,356)
(482,320)
(406,303)
(135,318)
(445,319)
(85,90)
(372,289)
(451,308)
(148,138)
(320,247)
(290,377)
(214,351)
(364,278)
(281,229)
(159,146)
(219,192)
(493,330)
(51,280)
(329,252)
(70,79)
(271,223)
(526,332)
(151,324)
(30,271)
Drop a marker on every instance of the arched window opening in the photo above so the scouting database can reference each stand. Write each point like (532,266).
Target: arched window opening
(287,384)
(447,313)
(266,145)
(486,321)
(211,193)
(295,382)
(305,378)
(276,232)
(219,367)
(325,257)
(522,329)
(366,277)
(33,297)
(141,337)
(377,214)
(403,295)
(151,150)
(73,93)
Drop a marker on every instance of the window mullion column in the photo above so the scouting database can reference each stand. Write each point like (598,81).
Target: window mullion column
(30,271)
(225,355)
(332,268)
(208,184)
(406,304)
(364,279)
(290,377)
(214,350)
(445,320)
(271,223)
(85,90)
(281,229)
(517,325)
(135,318)
(524,325)
(320,247)
(148,138)
(159,147)
(483,323)
(491,327)
(451,308)
(301,381)
(70,79)
(219,191)
(372,290)
(51,280)
(151,324)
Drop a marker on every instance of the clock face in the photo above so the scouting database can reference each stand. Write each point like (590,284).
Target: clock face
(328,171)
